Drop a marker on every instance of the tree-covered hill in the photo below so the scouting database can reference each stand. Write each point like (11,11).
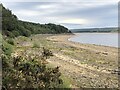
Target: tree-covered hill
(12,26)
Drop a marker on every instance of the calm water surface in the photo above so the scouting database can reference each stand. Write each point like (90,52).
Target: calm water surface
(106,39)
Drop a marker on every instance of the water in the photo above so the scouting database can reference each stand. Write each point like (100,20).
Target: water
(106,39)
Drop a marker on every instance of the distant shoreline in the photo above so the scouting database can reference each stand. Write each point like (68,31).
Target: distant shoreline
(94,32)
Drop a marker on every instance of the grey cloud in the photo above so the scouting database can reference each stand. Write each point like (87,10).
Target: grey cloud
(100,15)
(100,11)
(71,26)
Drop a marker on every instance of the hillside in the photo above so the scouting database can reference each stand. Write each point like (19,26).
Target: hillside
(12,26)
(110,29)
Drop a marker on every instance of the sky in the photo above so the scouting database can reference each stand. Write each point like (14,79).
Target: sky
(73,14)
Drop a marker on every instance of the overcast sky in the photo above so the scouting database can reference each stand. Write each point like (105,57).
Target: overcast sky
(73,15)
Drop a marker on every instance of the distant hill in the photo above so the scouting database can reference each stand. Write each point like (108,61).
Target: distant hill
(110,29)
(13,27)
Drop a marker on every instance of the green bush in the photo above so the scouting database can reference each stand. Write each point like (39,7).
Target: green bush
(29,73)
(0,39)
(7,48)
(46,53)
(16,33)
(10,41)
(10,34)
(26,33)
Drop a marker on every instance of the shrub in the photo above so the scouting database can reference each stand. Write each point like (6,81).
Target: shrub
(26,33)
(7,48)
(10,41)
(16,33)
(29,73)
(46,53)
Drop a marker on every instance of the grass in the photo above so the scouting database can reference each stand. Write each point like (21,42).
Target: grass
(36,45)
(66,82)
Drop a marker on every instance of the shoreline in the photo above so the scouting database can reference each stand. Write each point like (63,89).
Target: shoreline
(92,60)
(77,34)
(65,39)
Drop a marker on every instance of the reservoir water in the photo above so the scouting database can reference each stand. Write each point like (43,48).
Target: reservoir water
(106,39)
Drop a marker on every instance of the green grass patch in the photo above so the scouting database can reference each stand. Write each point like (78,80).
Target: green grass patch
(66,82)
(36,45)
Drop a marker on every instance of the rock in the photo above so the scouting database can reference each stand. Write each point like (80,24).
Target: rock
(105,53)
(116,72)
